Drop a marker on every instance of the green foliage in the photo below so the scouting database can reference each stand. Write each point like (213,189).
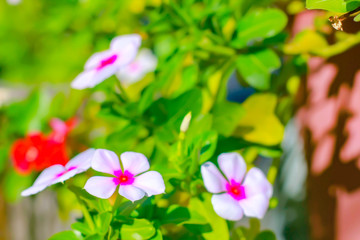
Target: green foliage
(340,6)
(199,46)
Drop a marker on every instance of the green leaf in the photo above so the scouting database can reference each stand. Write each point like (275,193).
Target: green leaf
(208,145)
(176,214)
(158,236)
(218,224)
(68,235)
(258,25)
(266,235)
(357,18)
(81,227)
(103,222)
(140,229)
(340,6)
(260,124)
(256,67)
(226,117)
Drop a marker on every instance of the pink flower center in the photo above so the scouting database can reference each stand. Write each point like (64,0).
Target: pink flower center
(235,190)
(134,67)
(125,178)
(108,61)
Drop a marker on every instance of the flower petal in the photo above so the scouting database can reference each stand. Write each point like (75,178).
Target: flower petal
(131,192)
(255,206)
(213,180)
(151,182)
(233,166)
(256,183)
(82,161)
(34,189)
(46,178)
(227,207)
(95,60)
(101,187)
(84,80)
(118,43)
(145,62)
(105,161)
(134,162)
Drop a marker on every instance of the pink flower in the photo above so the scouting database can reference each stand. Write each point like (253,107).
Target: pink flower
(103,65)
(144,63)
(58,173)
(235,196)
(133,180)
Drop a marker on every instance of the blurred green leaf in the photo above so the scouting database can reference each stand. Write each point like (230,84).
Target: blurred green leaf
(258,25)
(340,6)
(140,229)
(260,124)
(256,67)
(68,235)
(265,235)
(226,117)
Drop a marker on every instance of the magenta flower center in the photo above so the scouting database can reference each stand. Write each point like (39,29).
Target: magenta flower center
(108,61)
(123,178)
(235,190)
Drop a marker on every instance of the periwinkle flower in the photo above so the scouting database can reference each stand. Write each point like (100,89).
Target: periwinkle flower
(144,63)
(59,173)
(133,178)
(102,65)
(237,194)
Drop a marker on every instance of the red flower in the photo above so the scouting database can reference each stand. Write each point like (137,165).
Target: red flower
(37,151)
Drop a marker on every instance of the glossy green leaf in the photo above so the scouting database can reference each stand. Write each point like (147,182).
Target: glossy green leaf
(340,6)
(260,124)
(140,229)
(68,235)
(258,25)
(256,67)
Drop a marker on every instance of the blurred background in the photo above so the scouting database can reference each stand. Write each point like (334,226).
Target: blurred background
(44,45)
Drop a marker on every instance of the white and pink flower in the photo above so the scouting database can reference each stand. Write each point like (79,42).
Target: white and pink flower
(144,63)
(133,178)
(102,65)
(59,173)
(236,195)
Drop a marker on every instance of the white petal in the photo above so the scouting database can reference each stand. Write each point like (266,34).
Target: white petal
(83,80)
(105,161)
(213,180)
(118,43)
(101,187)
(67,175)
(47,177)
(50,174)
(131,192)
(233,166)
(34,189)
(256,183)
(255,206)
(95,60)
(82,161)
(227,207)
(145,62)
(151,182)
(134,162)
